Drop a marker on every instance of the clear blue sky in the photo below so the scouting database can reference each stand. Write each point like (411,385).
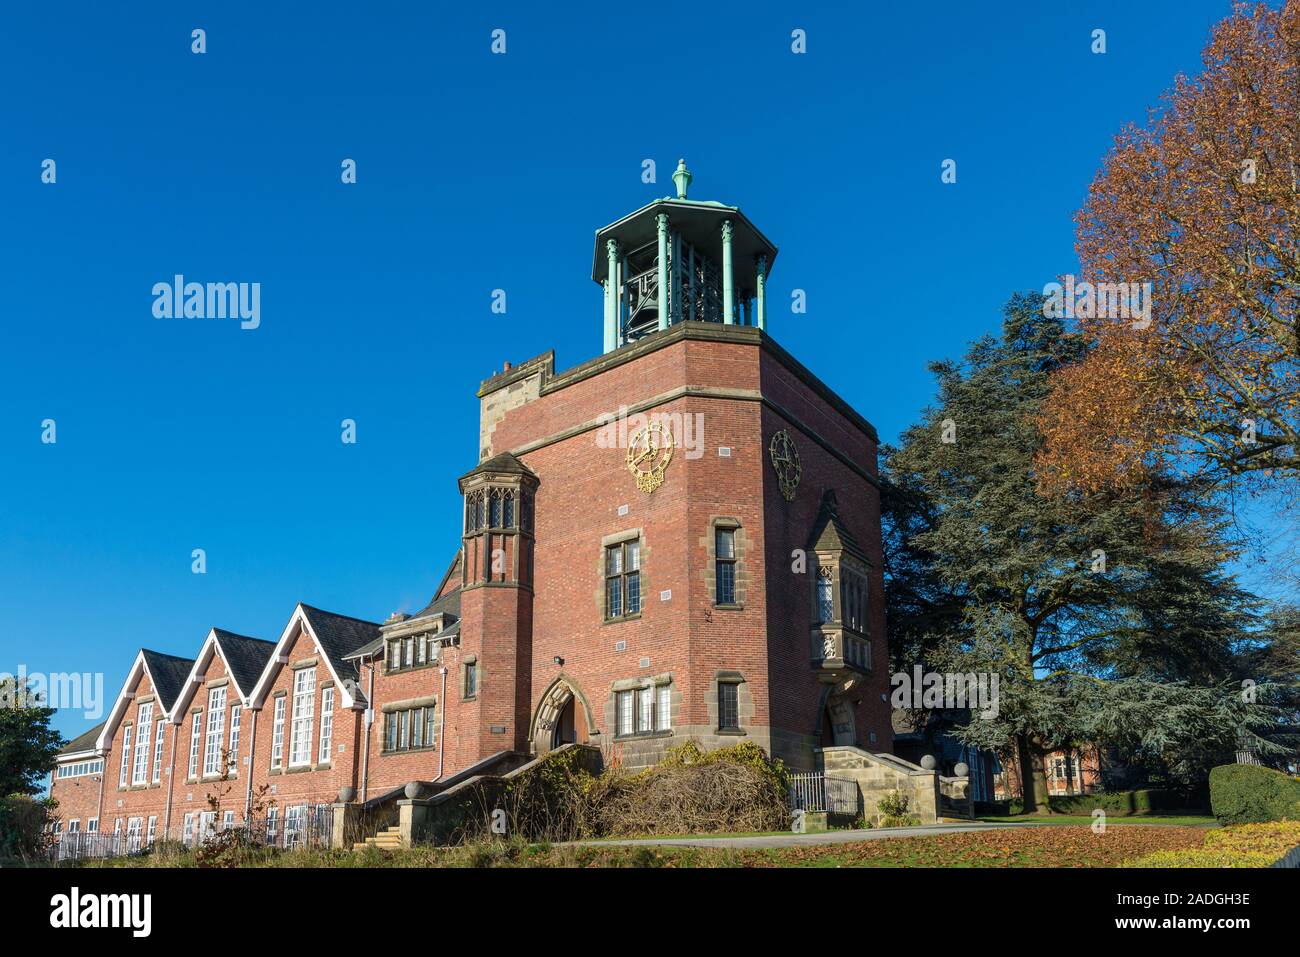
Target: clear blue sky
(476,172)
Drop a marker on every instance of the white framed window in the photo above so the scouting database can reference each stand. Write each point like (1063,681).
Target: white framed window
(643,710)
(304,704)
(236,712)
(277,734)
(74,826)
(195,732)
(187,833)
(294,820)
(134,828)
(140,762)
(272,821)
(212,763)
(228,821)
(326,724)
(153,829)
(126,756)
(158,750)
(207,825)
(624,701)
(92,826)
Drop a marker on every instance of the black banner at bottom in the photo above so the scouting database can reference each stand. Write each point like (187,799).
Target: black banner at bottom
(125,904)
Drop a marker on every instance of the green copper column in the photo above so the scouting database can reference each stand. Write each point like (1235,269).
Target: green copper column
(728,294)
(665,301)
(762,293)
(611,297)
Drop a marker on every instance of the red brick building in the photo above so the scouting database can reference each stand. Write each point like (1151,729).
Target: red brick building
(678,539)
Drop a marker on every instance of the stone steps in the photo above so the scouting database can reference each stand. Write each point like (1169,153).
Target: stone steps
(389,839)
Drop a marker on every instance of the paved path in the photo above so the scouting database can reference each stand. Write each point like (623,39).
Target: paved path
(796,840)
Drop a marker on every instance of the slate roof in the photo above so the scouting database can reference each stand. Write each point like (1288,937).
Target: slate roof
(245,657)
(340,635)
(501,462)
(169,674)
(83,742)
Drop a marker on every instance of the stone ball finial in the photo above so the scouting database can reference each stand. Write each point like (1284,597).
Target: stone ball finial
(928,762)
(414,789)
(961,770)
(347,794)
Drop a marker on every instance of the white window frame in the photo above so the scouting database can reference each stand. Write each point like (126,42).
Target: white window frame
(304,707)
(196,733)
(158,750)
(187,832)
(236,714)
(277,734)
(126,756)
(216,734)
(326,724)
(152,830)
(143,740)
(92,826)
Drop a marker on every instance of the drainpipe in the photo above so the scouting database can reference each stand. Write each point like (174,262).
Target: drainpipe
(171,785)
(442,725)
(252,750)
(365,754)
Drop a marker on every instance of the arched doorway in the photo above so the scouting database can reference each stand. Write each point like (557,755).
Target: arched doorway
(563,717)
(565,729)
(836,721)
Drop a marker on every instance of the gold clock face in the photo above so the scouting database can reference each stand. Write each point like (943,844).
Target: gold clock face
(785,461)
(648,453)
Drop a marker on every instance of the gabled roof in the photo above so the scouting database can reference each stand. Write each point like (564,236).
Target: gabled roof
(338,635)
(245,657)
(168,674)
(334,636)
(82,742)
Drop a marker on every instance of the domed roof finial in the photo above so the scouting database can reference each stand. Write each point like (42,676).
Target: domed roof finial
(682,178)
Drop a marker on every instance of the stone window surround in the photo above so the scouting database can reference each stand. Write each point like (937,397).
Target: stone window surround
(744,702)
(466,663)
(419,635)
(638,684)
(619,538)
(409,704)
(741,564)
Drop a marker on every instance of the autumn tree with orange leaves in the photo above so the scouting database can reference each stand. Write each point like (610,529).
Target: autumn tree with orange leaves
(1203,203)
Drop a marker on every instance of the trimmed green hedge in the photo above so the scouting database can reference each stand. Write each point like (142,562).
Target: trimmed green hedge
(1116,804)
(1248,793)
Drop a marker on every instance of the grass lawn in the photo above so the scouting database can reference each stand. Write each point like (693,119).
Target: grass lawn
(1186,820)
(1074,846)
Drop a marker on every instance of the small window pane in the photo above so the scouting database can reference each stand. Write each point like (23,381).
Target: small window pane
(663,720)
(625,712)
(728,706)
(633,592)
(614,560)
(726,543)
(613,597)
(634,555)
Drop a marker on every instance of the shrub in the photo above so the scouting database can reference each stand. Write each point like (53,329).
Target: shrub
(23,822)
(692,792)
(1248,845)
(1247,793)
(893,811)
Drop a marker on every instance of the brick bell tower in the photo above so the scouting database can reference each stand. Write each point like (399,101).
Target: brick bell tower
(497,605)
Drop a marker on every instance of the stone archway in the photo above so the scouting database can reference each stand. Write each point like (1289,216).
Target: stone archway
(562,709)
(836,714)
